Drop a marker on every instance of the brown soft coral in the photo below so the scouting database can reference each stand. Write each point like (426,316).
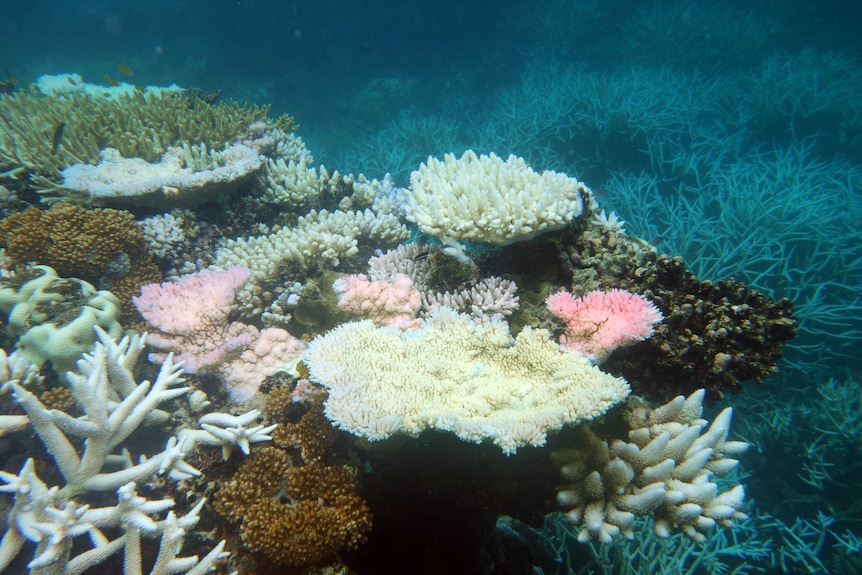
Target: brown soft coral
(295,516)
(93,245)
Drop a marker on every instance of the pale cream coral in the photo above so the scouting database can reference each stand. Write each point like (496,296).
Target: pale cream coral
(491,200)
(456,375)
(295,184)
(665,469)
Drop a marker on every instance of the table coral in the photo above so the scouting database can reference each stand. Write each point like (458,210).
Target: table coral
(459,376)
(137,126)
(295,516)
(184,176)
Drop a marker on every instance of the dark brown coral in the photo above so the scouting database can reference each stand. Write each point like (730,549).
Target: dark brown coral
(715,335)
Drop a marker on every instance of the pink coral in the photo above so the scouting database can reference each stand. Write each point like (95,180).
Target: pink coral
(386,303)
(600,321)
(192,317)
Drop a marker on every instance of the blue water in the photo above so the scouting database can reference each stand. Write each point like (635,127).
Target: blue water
(729,133)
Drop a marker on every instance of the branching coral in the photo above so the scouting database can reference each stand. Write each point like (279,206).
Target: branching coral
(665,469)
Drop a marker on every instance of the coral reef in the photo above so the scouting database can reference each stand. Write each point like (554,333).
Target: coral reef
(486,199)
(664,468)
(459,376)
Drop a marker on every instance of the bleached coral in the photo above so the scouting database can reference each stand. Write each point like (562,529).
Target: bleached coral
(166,234)
(114,406)
(319,240)
(456,375)
(387,303)
(408,259)
(58,85)
(491,200)
(53,317)
(185,176)
(295,184)
(665,469)
(490,297)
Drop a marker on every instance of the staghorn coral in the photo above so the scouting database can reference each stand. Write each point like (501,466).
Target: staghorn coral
(296,516)
(137,126)
(664,468)
(53,520)
(101,246)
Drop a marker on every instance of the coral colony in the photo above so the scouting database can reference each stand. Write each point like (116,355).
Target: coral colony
(252,393)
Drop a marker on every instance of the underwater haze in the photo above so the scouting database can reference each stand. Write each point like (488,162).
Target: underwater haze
(711,157)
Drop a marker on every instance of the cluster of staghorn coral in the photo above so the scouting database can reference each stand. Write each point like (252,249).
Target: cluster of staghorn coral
(291,502)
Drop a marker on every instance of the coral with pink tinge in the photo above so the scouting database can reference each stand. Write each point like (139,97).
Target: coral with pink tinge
(386,303)
(602,321)
(192,317)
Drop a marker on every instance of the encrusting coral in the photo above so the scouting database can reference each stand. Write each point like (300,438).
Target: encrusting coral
(664,468)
